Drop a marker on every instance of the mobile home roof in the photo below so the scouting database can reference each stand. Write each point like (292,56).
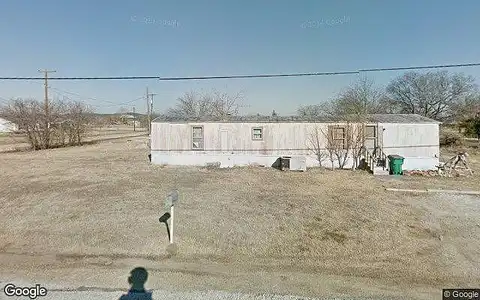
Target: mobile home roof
(374,118)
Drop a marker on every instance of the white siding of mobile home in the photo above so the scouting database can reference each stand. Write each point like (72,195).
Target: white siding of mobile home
(172,143)
(418,143)
(231,144)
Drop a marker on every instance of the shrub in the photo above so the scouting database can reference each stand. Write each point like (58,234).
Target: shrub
(471,127)
(450,138)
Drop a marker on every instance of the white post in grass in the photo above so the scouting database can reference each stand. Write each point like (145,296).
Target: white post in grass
(170,201)
(171,224)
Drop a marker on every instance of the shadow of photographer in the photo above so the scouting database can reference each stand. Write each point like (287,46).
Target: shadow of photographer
(137,279)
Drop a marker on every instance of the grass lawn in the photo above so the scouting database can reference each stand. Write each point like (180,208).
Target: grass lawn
(16,141)
(93,206)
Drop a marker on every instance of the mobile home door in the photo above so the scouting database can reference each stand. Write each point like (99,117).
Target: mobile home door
(224,140)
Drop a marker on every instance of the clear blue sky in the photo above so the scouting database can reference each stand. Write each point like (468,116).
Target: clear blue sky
(226,37)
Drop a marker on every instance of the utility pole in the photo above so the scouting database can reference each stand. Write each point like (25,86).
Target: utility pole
(47,107)
(134,118)
(151,103)
(150,110)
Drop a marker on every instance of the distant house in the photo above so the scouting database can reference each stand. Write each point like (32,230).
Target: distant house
(127,117)
(241,141)
(7,126)
(130,120)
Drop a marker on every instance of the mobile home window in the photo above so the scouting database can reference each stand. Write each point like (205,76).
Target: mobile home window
(197,138)
(338,138)
(370,137)
(370,131)
(257,134)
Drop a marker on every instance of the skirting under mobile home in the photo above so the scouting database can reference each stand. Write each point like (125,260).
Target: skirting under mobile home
(243,141)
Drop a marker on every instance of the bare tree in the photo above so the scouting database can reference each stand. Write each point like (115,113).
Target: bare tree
(99,121)
(316,140)
(467,108)
(311,111)
(80,119)
(344,141)
(189,106)
(71,123)
(57,123)
(335,149)
(434,95)
(355,138)
(114,120)
(331,146)
(122,110)
(341,143)
(65,120)
(27,114)
(342,148)
(361,98)
(208,105)
(224,105)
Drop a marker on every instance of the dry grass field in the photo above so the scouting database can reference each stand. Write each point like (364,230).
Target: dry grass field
(14,142)
(84,216)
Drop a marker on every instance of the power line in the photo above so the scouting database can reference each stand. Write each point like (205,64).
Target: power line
(419,68)
(81,96)
(62,93)
(246,76)
(59,92)
(4,100)
(126,102)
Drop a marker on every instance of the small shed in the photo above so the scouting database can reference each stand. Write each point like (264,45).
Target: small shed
(7,126)
(242,141)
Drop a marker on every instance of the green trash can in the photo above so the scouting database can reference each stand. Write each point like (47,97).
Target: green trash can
(395,163)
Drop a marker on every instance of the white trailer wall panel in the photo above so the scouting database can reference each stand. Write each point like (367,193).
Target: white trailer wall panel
(231,144)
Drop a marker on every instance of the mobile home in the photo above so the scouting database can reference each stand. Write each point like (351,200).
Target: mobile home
(242,141)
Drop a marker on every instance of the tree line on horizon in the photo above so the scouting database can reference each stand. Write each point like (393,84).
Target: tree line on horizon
(437,95)
(445,97)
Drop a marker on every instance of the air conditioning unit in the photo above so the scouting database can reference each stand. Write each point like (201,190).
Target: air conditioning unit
(298,163)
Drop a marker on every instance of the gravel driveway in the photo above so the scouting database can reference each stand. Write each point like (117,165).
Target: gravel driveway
(165,295)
